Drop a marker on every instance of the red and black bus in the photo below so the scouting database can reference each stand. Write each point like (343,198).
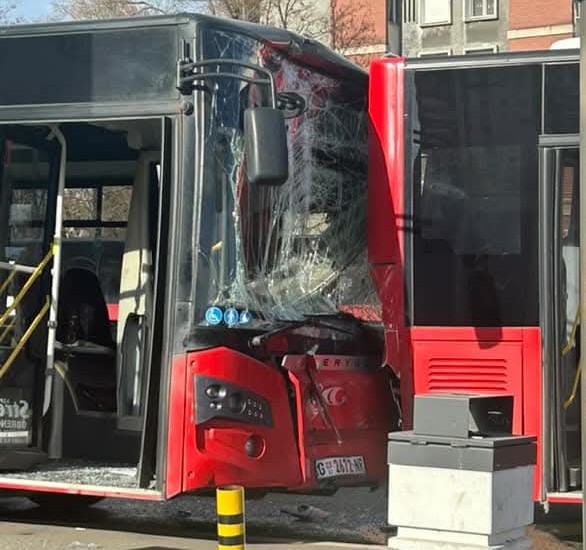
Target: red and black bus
(474,241)
(185,290)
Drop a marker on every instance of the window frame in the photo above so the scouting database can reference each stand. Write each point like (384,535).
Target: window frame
(485,16)
(97,222)
(478,49)
(435,52)
(423,23)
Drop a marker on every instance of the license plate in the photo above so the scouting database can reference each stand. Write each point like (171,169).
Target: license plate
(337,466)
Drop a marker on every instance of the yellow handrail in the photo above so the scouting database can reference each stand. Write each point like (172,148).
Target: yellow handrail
(8,280)
(25,337)
(565,350)
(26,287)
(7,330)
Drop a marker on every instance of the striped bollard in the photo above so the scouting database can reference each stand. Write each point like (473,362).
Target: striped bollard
(230,509)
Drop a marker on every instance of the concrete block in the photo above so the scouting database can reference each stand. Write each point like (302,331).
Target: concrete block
(459,509)
(460,500)
(420,539)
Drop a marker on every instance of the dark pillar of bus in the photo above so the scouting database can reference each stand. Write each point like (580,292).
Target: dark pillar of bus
(395,27)
(582,34)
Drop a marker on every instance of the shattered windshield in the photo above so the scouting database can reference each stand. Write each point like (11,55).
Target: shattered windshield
(281,253)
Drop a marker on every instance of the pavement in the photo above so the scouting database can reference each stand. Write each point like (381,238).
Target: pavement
(20,536)
(356,519)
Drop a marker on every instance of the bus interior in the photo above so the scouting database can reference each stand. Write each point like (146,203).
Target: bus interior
(81,418)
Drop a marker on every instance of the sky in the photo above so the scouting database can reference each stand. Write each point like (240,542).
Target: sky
(31,9)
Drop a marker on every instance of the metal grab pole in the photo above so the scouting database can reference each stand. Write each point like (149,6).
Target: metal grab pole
(230,508)
(583,255)
(56,269)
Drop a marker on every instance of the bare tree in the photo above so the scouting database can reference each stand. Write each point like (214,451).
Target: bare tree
(246,10)
(101,9)
(351,26)
(301,16)
(7,14)
(346,25)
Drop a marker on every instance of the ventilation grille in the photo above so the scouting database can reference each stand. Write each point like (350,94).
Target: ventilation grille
(468,375)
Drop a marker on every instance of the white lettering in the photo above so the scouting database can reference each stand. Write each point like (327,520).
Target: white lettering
(24,409)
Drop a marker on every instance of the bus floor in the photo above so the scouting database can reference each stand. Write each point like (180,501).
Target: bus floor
(77,472)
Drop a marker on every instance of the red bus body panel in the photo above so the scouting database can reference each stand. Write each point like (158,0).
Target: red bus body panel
(385,214)
(358,403)
(175,427)
(25,487)
(214,452)
(503,360)
(203,455)
(496,361)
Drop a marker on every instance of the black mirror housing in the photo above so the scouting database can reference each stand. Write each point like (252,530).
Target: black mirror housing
(265,135)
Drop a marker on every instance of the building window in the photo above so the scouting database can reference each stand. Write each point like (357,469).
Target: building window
(409,11)
(436,12)
(481,49)
(482,9)
(434,53)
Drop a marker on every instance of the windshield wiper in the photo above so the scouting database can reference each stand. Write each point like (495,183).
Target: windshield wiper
(308,322)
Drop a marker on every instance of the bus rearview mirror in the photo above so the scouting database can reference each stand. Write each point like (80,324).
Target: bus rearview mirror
(265,135)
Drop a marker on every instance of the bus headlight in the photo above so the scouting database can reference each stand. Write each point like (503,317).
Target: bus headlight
(216,398)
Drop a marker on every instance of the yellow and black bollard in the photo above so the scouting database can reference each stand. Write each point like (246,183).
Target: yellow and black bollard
(230,508)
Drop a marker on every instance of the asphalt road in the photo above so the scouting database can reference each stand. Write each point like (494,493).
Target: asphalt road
(355,516)
(16,536)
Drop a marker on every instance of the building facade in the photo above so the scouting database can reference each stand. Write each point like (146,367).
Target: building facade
(537,24)
(456,27)
(358,28)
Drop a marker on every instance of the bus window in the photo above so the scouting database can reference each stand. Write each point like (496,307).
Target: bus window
(475,195)
(561,99)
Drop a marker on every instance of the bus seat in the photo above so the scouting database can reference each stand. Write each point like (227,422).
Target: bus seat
(83,313)
(84,345)
(136,273)
(136,289)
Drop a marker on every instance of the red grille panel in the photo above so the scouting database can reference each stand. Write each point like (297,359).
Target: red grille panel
(470,366)
(488,375)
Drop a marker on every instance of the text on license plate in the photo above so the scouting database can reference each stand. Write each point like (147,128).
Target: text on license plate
(340,466)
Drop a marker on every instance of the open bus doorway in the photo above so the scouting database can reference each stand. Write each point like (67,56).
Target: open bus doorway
(89,428)
(559,172)
(491,250)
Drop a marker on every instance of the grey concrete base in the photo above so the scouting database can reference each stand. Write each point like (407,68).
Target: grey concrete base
(427,539)
(445,509)
(474,504)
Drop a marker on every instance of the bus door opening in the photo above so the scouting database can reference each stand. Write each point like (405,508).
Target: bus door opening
(93,412)
(560,169)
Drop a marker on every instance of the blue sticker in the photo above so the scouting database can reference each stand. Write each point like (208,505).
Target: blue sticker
(231,317)
(214,315)
(245,317)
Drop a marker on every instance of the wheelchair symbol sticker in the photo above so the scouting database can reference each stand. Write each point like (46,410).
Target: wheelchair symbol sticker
(214,315)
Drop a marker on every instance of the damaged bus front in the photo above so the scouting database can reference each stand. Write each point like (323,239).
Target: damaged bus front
(184,287)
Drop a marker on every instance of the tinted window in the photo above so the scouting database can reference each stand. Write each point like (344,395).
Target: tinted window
(132,64)
(474,190)
(562,99)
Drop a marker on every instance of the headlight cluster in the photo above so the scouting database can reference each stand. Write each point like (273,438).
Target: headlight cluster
(216,398)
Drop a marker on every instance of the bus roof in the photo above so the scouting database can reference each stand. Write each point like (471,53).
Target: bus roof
(301,49)
(500,59)
(127,67)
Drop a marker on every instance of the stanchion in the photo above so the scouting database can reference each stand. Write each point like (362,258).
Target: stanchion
(230,509)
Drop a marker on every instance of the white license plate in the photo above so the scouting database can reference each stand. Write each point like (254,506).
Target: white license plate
(338,466)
